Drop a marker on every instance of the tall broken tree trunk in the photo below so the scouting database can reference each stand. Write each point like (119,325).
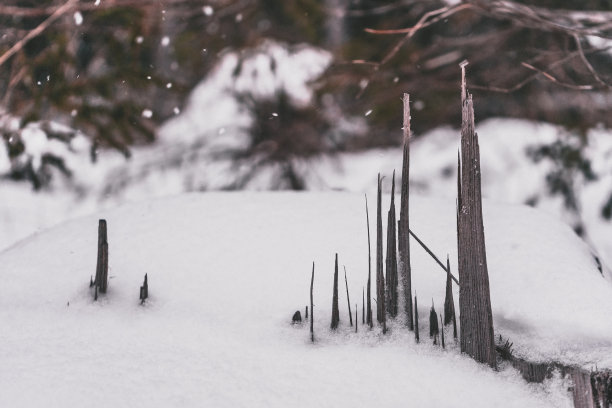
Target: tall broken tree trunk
(404,225)
(335,319)
(369,293)
(380,278)
(391,260)
(477,337)
(348,299)
(311,306)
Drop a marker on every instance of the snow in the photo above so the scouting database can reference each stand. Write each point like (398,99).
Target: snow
(227,271)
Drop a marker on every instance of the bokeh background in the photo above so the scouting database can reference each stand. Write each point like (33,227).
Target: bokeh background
(108,101)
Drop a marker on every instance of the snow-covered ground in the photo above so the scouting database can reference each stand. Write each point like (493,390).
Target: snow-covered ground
(227,271)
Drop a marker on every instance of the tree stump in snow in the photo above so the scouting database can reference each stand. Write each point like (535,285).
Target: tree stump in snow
(297,317)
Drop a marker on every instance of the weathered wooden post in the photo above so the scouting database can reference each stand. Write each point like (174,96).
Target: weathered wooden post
(404,224)
(477,337)
(335,319)
(391,260)
(380,278)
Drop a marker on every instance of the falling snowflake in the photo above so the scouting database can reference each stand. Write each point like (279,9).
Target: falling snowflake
(208,10)
(147,113)
(78,18)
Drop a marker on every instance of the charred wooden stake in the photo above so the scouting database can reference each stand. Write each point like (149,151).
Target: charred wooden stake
(356,318)
(380,278)
(311,305)
(348,300)
(416,319)
(477,337)
(335,319)
(404,224)
(369,298)
(434,330)
(391,261)
(306,315)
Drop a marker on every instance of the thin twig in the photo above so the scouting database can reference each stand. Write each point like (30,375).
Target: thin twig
(551,78)
(433,256)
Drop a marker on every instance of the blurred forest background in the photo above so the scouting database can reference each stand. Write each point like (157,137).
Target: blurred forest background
(84,84)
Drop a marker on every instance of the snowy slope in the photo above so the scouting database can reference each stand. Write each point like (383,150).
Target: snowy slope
(227,271)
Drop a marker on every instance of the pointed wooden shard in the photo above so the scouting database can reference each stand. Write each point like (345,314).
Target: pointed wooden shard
(335,319)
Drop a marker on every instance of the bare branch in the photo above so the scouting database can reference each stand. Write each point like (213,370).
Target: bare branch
(60,11)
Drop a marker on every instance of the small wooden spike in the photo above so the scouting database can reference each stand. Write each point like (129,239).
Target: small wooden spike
(434,330)
(363,306)
(335,319)
(442,332)
(369,292)
(380,279)
(449,303)
(311,305)
(306,315)
(348,299)
(356,318)
(416,319)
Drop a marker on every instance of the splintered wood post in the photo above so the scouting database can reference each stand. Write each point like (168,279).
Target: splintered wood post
(380,278)
(391,261)
(369,293)
(306,314)
(348,299)
(312,306)
(442,332)
(335,311)
(416,319)
(477,337)
(434,330)
(404,225)
(356,318)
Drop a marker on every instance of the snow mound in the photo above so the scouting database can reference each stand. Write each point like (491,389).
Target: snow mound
(226,272)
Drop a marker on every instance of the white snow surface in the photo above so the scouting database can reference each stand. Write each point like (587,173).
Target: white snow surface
(226,272)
